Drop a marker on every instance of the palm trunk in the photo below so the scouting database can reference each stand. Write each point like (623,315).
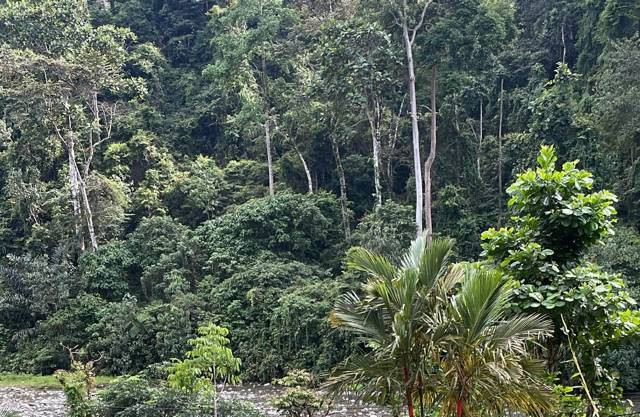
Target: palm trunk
(408,396)
(459,407)
(267,139)
(428,165)
(421,394)
(415,132)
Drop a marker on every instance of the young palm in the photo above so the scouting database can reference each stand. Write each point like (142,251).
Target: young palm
(485,362)
(388,319)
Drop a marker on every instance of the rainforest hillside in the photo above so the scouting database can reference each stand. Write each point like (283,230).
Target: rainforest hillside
(168,163)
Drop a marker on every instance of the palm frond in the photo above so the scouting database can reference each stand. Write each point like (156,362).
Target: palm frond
(376,266)
(433,262)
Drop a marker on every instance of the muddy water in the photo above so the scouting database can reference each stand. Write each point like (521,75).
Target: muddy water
(50,403)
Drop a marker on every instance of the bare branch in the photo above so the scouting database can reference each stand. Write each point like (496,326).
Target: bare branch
(414,31)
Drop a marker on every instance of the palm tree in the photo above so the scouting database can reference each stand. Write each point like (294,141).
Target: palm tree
(389,321)
(422,340)
(485,358)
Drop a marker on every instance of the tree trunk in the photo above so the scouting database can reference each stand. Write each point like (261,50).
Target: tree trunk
(428,165)
(343,187)
(75,200)
(88,214)
(459,407)
(267,139)
(215,393)
(480,139)
(374,123)
(500,153)
(564,45)
(306,169)
(421,394)
(415,132)
(393,139)
(408,393)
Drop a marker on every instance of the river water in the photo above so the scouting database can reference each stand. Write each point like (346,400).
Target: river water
(50,403)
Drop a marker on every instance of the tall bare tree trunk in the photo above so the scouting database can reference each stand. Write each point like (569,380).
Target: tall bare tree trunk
(75,199)
(267,139)
(306,169)
(428,165)
(480,138)
(415,130)
(374,123)
(88,214)
(500,153)
(343,187)
(564,45)
(86,206)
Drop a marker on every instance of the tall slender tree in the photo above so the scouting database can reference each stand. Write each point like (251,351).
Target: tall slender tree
(409,16)
(251,64)
(59,70)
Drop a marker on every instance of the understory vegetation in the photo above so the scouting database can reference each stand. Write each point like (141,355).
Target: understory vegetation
(434,203)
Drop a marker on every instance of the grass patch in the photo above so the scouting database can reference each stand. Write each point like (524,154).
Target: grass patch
(41,381)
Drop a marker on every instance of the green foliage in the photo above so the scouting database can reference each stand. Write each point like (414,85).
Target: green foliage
(108,271)
(131,336)
(293,226)
(387,229)
(200,195)
(570,403)
(556,219)
(136,396)
(209,362)
(299,398)
(35,287)
(77,385)
(160,246)
(162,109)
(278,308)
(412,312)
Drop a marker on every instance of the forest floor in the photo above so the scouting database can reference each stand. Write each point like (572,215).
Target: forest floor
(35,402)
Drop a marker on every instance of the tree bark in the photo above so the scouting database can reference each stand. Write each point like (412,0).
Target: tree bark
(88,214)
(415,131)
(75,200)
(306,169)
(374,123)
(343,187)
(480,139)
(428,165)
(267,139)
(408,393)
(500,153)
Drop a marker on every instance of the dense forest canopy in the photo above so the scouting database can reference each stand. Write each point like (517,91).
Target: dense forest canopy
(168,163)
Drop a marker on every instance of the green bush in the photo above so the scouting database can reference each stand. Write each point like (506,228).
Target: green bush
(388,229)
(108,271)
(139,397)
(293,226)
(131,336)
